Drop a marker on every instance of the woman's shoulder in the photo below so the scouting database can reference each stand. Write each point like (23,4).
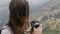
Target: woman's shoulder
(6,30)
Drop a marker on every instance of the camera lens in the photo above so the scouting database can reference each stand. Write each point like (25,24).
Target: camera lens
(36,25)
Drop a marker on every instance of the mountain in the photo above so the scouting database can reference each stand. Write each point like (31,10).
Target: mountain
(49,15)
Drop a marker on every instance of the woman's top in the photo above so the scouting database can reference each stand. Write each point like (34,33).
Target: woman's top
(6,30)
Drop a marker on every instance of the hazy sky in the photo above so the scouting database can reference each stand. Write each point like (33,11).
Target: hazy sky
(4,3)
(37,2)
(35,5)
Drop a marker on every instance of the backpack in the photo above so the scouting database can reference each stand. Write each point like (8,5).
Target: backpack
(1,30)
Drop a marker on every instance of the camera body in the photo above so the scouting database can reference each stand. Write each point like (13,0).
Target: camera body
(35,24)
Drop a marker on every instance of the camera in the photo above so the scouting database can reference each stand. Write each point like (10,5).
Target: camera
(35,24)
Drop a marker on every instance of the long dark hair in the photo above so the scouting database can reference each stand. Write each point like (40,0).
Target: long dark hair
(19,14)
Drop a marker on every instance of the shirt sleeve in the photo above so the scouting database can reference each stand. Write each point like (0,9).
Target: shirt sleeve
(5,31)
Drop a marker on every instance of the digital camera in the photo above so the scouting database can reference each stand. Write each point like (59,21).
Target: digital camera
(34,24)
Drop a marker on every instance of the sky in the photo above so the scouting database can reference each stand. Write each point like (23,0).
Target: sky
(37,2)
(32,3)
(4,5)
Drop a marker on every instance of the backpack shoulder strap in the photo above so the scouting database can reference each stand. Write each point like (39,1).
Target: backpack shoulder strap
(1,30)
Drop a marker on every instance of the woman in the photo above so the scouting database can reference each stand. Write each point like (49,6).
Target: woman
(18,19)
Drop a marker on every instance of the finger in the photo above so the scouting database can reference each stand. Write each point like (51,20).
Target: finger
(40,26)
(35,28)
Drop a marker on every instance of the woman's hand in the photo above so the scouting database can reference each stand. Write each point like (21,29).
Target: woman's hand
(38,30)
